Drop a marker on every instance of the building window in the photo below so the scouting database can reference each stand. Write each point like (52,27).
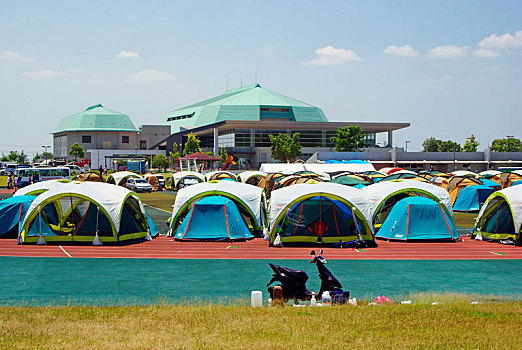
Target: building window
(124,139)
(86,139)
(275,109)
(179,117)
(143,144)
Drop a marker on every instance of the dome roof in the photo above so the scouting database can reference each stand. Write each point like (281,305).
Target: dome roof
(96,118)
(250,103)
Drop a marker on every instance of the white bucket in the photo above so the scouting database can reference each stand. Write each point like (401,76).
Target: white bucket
(256,299)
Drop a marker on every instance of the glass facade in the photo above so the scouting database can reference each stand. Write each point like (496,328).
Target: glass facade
(260,138)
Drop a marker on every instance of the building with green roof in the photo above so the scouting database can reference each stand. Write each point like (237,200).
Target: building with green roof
(250,103)
(99,128)
(241,120)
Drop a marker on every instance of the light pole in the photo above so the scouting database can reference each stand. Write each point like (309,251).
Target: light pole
(406,149)
(45,150)
(509,142)
(454,159)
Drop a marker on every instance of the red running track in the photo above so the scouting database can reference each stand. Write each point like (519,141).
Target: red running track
(163,247)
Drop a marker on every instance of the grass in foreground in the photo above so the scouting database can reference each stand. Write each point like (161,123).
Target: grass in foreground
(456,325)
(464,219)
(158,200)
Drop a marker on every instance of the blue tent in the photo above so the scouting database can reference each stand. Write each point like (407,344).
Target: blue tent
(213,218)
(418,218)
(490,183)
(472,198)
(12,212)
(152,226)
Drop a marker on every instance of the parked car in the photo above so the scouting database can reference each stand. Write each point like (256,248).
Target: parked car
(75,168)
(161,180)
(139,185)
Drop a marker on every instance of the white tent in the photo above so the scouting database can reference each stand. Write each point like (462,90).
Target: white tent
(290,168)
(378,193)
(211,173)
(251,197)
(284,168)
(463,173)
(109,200)
(404,172)
(519,172)
(283,197)
(513,197)
(120,175)
(244,176)
(42,186)
(181,174)
(489,172)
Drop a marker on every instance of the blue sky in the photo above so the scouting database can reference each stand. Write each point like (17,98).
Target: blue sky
(450,68)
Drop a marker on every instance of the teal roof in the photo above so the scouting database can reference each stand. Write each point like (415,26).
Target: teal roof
(96,118)
(243,104)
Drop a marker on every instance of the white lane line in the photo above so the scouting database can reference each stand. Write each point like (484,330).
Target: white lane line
(150,206)
(69,255)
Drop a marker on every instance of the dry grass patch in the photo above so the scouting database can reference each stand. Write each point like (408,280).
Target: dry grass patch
(446,326)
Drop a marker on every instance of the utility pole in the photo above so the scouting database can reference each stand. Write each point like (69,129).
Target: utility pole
(45,150)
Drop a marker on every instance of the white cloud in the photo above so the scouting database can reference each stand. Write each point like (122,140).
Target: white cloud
(49,74)
(127,54)
(486,53)
(448,51)
(331,56)
(44,74)
(14,56)
(502,42)
(150,76)
(405,50)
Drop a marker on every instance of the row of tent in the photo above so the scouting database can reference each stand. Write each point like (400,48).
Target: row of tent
(73,211)
(321,212)
(335,214)
(174,181)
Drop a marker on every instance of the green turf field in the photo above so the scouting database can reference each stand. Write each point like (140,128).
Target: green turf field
(58,281)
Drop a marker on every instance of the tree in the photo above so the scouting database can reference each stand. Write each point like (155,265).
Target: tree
(471,144)
(506,145)
(36,158)
(22,158)
(160,161)
(210,153)
(4,158)
(285,148)
(348,139)
(77,151)
(12,156)
(174,154)
(192,144)
(223,155)
(47,155)
(431,144)
(449,146)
